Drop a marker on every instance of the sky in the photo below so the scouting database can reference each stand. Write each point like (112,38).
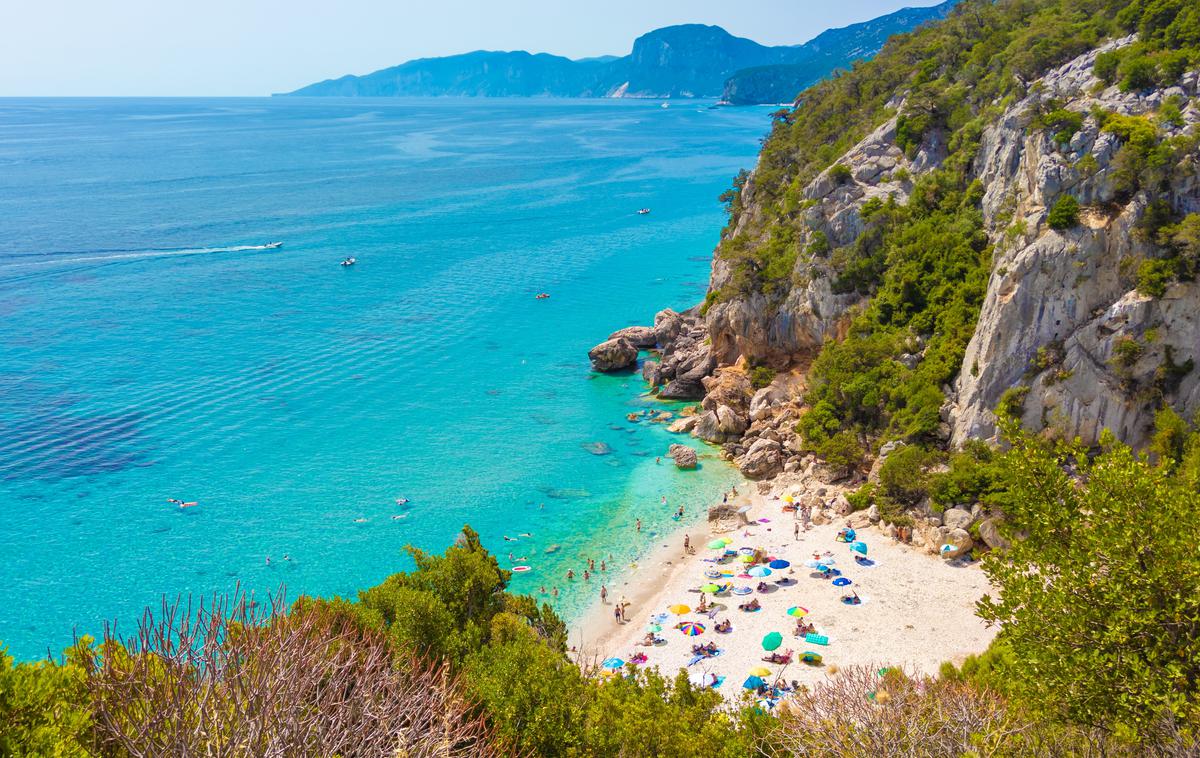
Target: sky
(256,47)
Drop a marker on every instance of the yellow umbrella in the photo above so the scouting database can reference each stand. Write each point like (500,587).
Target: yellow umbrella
(760,671)
(787,499)
(747,559)
(726,540)
(679,610)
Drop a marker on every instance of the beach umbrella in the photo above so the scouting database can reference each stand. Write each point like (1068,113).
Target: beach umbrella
(760,671)
(759,571)
(742,590)
(716,545)
(680,609)
(726,540)
(841,581)
(948,548)
(859,547)
(811,563)
(772,641)
(691,628)
(613,663)
(788,499)
(710,588)
(753,683)
(779,563)
(746,550)
(653,627)
(747,559)
(797,611)
(822,567)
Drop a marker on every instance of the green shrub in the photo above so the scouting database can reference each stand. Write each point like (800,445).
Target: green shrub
(904,476)
(862,498)
(761,376)
(842,450)
(840,173)
(1012,402)
(1154,275)
(1064,214)
(1136,73)
(1106,66)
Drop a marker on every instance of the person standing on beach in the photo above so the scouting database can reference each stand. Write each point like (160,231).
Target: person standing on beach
(796,530)
(687,544)
(603,594)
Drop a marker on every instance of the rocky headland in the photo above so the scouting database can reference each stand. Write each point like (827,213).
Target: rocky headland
(1069,335)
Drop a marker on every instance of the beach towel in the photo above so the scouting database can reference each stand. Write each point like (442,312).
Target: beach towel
(816,639)
(719,682)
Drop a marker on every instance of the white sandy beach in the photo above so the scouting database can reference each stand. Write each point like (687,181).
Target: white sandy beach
(917,609)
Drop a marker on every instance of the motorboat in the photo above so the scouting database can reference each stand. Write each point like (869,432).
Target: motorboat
(349,262)
(643,211)
(272,245)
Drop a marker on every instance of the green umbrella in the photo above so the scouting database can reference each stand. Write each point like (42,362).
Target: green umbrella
(716,545)
(710,588)
(654,628)
(772,641)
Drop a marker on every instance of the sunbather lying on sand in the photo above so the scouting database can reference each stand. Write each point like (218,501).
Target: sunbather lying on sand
(724,627)
(753,605)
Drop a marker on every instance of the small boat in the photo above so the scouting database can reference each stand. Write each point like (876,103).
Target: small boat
(666,105)
(643,211)
(272,245)
(349,262)
(542,295)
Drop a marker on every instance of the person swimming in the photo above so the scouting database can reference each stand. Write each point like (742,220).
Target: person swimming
(509,539)
(525,534)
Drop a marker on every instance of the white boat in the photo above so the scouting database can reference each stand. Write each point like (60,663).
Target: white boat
(643,211)
(272,245)
(349,262)
(666,105)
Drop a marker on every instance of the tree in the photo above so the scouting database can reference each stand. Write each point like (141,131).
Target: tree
(44,706)
(1064,214)
(1099,598)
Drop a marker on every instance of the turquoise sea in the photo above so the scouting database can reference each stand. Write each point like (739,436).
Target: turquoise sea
(150,349)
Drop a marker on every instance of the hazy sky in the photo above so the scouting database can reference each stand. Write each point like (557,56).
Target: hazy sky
(255,47)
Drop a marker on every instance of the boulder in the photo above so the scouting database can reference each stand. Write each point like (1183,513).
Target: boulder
(730,422)
(706,428)
(763,459)
(652,373)
(667,326)
(682,389)
(961,541)
(989,532)
(662,417)
(765,399)
(859,520)
(884,451)
(957,518)
(723,511)
(597,448)
(873,514)
(684,456)
(613,355)
(683,425)
(638,336)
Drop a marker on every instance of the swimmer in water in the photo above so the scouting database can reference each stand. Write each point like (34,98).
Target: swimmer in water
(397,518)
(401,501)
(360,521)
(525,534)
(268,560)
(509,539)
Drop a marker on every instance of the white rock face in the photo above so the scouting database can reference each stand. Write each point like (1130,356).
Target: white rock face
(1069,293)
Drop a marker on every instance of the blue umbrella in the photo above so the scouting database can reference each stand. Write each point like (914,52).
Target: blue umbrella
(841,581)
(779,563)
(753,683)
(759,571)
(859,547)
(613,663)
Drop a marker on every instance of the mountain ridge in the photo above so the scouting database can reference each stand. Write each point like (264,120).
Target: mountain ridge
(681,61)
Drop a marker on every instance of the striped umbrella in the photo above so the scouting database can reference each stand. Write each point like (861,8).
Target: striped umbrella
(759,571)
(797,611)
(691,628)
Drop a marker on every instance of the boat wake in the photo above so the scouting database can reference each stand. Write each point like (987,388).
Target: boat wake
(101,256)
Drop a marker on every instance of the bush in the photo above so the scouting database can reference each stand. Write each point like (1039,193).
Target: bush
(904,476)
(1064,214)
(1137,73)
(761,376)
(1106,66)
(840,173)
(1012,402)
(1154,275)
(842,450)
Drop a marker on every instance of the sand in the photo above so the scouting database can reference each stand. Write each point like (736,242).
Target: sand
(917,610)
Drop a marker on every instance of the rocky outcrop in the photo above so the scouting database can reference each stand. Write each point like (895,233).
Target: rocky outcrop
(1070,294)
(613,355)
(684,456)
(638,336)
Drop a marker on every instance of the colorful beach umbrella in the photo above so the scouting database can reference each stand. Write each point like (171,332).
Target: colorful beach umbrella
(753,683)
(613,663)
(680,609)
(742,590)
(653,627)
(772,641)
(716,545)
(691,628)
(760,671)
(710,588)
(779,563)
(797,611)
(759,571)
(859,547)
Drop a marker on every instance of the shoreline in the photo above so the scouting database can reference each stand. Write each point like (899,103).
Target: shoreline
(918,610)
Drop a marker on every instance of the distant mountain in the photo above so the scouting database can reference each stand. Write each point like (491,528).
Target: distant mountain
(831,50)
(689,60)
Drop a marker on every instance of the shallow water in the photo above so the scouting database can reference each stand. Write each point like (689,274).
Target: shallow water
(149,349)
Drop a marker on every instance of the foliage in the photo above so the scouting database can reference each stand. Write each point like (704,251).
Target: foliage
(904,476)
(1154,275)
(761,376)
(44,706)
(1100,597)
(1064,214)
(973,476)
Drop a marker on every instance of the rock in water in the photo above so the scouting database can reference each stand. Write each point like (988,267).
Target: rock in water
(684,456)
(638,336)
(597,448)
(613,355)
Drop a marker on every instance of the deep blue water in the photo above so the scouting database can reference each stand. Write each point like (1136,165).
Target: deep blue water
(144,357)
